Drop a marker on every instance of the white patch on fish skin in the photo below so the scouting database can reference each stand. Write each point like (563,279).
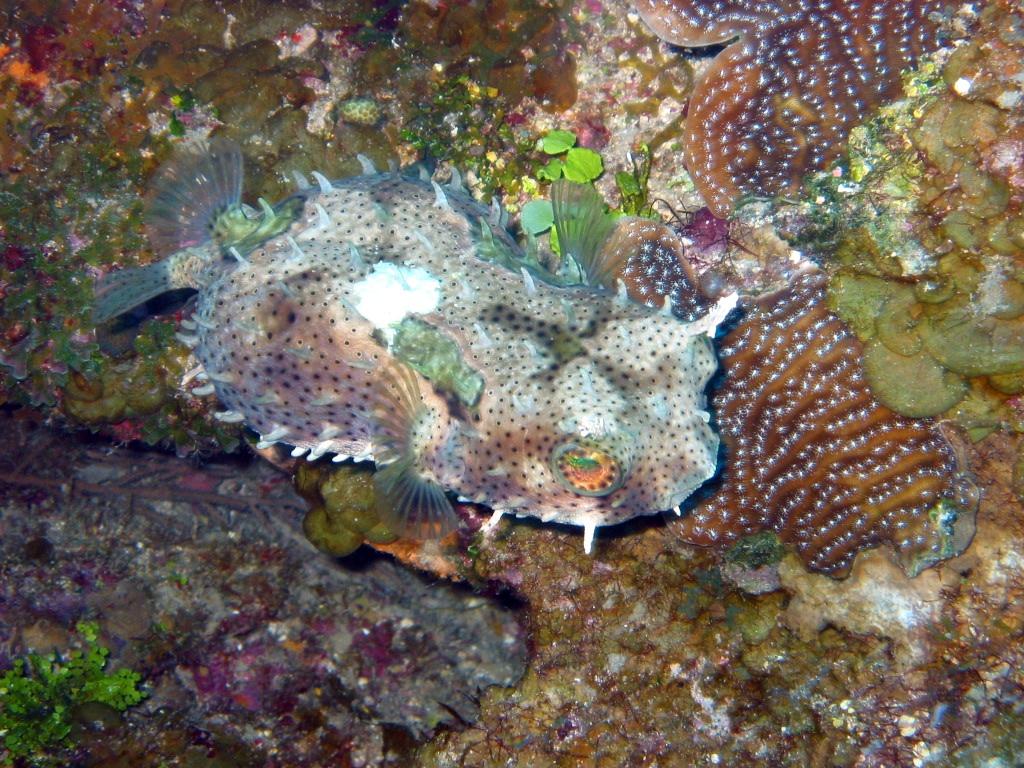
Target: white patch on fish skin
(392,292)
(524,404)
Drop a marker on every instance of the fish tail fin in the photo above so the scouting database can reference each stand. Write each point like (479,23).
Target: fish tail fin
(191,194)
(582,226)
(410,503)
(118,292)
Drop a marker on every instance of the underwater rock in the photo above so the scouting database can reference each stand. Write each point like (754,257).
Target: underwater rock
(778,102)
(877,599)
(201,581)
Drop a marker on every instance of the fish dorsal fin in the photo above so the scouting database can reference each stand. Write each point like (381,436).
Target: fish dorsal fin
(582,226)
(191,193)
(409,503)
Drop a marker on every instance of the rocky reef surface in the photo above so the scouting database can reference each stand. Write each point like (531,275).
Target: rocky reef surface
(258,650)
(254,650)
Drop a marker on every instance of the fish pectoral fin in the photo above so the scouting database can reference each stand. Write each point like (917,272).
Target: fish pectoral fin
(118,292)
(197,191)
(583,226)
(410,503)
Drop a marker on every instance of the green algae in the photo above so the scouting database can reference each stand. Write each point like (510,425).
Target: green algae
(856,298)
(754,619)
(343,508)
(43,696)
(492,153)
(437,356)
(70,213)
(236,229)
(985,410)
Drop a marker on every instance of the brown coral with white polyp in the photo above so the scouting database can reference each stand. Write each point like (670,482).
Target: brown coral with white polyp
(794,78)
(808,452)
(811,455)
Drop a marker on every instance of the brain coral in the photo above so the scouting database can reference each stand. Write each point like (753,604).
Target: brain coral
(793,78)
(813,456)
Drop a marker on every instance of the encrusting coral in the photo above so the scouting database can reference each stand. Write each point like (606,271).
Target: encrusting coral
(812,455)
(343,511)
(779,101)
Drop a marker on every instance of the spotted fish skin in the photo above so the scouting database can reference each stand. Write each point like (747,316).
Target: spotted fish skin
(573,405)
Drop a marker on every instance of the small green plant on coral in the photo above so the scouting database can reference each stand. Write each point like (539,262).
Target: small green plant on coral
(39,696)
(182,101)
(584,166)
(632,184)
(577,164)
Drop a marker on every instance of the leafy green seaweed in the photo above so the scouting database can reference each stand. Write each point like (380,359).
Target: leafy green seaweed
(39,696)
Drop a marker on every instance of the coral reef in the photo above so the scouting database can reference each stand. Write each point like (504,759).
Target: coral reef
(779,101)
(262,651)
(923,214)
(360,111)
(811,455)
(492,65)
(517,47)
(645,653)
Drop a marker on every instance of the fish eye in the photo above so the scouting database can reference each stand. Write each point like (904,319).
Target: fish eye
(587,468)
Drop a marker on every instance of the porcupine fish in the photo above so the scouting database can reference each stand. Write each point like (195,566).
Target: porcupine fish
(386,317)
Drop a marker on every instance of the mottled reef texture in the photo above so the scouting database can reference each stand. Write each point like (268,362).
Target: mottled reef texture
(255,649)
(647,654)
